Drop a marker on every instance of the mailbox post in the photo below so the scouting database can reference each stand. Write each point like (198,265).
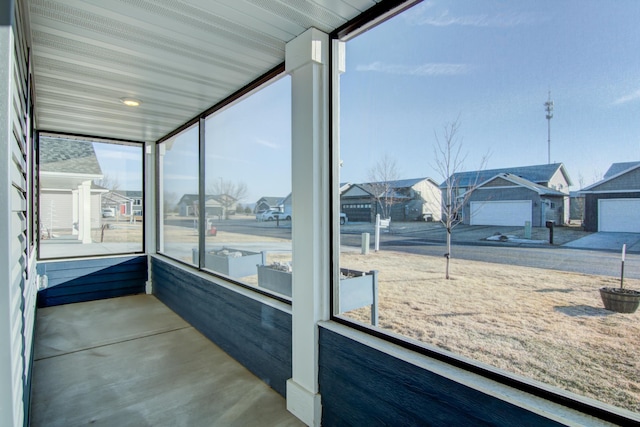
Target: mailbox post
(549,225)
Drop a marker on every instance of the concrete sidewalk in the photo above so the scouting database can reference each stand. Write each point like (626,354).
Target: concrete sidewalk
(607,241)
(471,234)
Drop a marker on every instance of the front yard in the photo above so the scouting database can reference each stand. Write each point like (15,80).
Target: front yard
(545,325)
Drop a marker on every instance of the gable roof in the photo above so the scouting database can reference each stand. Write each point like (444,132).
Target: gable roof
(391,188)
(401,183)
(540,189)
(360,190)
(620,168)
(535,174)
(617,168)
(271,201)
(190,199)
(68,156)
(133,194)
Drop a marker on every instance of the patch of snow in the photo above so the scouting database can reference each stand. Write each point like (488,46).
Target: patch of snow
(513,239)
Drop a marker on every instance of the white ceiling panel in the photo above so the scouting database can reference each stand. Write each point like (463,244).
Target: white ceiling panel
(178,57)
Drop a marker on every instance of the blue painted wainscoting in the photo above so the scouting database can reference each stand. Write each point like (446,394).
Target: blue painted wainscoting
(91,279)
(362,386)
(255,334)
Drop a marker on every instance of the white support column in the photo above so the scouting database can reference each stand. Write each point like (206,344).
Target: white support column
(161,151)
(84,212)
(74,212)
(307,62)
(149,207)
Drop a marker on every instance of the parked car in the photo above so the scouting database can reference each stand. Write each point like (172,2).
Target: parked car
(108,213)
(426,217)
(272,215)
(343,218)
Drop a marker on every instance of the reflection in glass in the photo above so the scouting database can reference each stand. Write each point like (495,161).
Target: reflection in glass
(248,187)
(178,196)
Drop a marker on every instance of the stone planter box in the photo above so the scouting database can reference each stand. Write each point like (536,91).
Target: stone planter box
(357,288)
(237,263)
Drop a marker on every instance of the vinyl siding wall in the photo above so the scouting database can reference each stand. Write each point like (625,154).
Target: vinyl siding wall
(18,287)
(80,280)
(363,386)
(256,333)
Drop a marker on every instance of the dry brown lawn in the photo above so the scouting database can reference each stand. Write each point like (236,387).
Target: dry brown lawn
(545,325)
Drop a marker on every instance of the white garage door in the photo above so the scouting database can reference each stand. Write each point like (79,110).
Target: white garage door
(619,215)
(507,212)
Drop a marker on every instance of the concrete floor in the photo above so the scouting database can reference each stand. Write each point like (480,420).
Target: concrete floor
(131,361)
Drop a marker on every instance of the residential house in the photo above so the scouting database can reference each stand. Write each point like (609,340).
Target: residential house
(613,203)
(69,200)
(266,203)
(216,205)
(136,207)
(510,200)
(404,199)
(536,193)
(117,202)
(123,203)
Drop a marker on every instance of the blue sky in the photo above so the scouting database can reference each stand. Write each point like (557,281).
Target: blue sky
(491,64)
(248,142)
(122,163)
(488,64)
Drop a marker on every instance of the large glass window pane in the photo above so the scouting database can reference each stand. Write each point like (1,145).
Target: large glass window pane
(178,208)
(248,189)
(88,192)
(476,123)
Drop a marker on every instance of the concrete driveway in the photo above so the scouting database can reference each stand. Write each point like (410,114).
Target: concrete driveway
(607,241)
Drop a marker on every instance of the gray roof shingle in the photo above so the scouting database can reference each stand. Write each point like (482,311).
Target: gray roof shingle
(617,168)
(68,156)
(536,173)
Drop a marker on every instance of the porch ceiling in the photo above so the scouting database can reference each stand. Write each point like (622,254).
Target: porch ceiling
(178,57)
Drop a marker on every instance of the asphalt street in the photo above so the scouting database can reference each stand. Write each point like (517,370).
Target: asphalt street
(593,262)
(596,254)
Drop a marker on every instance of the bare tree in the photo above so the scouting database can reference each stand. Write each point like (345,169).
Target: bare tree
(228,193)
(579,200)
(382,176)
(449,161)
(109,182)
(170,202)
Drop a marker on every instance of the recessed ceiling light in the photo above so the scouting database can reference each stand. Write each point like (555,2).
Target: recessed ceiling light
(131,102)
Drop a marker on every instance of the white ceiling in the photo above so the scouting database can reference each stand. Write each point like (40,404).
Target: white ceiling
(178,57)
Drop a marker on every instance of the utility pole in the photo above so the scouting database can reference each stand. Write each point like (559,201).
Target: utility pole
(548,106)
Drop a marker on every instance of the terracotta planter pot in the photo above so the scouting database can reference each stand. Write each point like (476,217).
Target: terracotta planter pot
(620,300)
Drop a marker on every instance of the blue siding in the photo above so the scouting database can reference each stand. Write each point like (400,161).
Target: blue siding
(255,334)
(92,279)
(361,386)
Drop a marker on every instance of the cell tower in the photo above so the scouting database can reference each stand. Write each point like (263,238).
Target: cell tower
(548,106)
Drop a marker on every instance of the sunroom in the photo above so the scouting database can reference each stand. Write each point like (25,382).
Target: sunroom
(199,109)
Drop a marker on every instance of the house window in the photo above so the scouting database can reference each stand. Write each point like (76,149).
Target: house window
(430,92)
(82,183)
